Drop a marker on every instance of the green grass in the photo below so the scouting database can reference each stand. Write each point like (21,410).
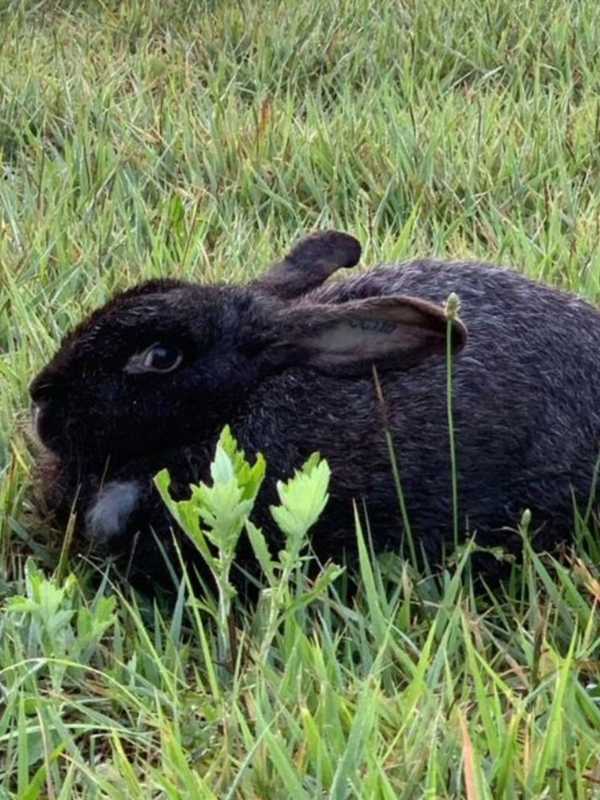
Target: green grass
(200,139)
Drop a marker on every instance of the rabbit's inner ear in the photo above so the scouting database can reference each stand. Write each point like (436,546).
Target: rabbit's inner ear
(391,332)
(345,342)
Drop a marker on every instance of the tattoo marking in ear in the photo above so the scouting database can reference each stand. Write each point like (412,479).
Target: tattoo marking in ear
(373,325)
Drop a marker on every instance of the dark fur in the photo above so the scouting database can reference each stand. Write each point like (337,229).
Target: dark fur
(526,412)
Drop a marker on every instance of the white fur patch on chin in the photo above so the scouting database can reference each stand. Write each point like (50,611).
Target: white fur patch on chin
(108,516)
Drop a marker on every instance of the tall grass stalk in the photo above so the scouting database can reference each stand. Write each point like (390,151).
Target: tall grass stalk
(407,532)
(452,309)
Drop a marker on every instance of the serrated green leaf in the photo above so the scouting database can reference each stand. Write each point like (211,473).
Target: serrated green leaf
(303,499)
(261,550)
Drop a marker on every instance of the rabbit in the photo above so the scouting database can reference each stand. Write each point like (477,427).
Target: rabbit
(289,361)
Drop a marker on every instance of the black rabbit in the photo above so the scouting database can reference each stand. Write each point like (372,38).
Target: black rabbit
(150,379)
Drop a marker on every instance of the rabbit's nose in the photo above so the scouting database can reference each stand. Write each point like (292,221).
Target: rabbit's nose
(40,395)
(36,418)
(47,396)
(38,414)
(43,388)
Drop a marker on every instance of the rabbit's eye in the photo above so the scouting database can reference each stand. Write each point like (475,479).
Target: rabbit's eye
(157,358)
(162,359)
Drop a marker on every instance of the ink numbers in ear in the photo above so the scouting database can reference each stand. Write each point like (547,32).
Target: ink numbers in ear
(373,325)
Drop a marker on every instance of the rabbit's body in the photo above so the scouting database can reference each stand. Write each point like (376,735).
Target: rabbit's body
(525,410)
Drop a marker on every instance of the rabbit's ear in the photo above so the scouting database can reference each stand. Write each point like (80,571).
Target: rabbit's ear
(309,263)
(393,332)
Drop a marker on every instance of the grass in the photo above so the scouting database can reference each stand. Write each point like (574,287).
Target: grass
(200,139)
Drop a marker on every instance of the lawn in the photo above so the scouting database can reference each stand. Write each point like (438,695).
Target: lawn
(201,139)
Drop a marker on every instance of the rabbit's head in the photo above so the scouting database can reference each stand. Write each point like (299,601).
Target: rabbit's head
(156,362)
(148,370)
